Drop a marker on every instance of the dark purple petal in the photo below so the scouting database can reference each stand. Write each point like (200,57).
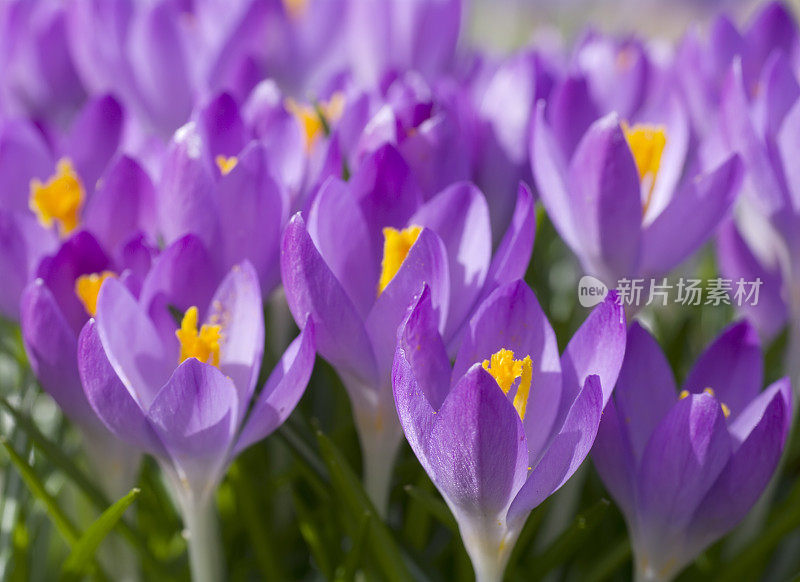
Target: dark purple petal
(645,389)
(732,366)
(571,110)
(223,129)
(477,449)
(564,455)
(605,199)
(696,211)
(78,255)
(109,398)
(386,191)
(312,289)
(684,457)
(52,348)
(283,390)
(512,257)
(613,458)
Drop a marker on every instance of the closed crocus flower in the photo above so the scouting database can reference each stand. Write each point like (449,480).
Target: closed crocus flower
(618,193)
(686,467)
(182,391)
(357,260)
(511,421)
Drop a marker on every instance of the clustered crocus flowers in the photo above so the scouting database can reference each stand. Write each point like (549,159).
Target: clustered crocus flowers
(179,180)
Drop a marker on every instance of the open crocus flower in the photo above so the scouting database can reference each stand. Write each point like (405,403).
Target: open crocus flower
(182,391)
(619,191)
(364,251)
(52,190)
(506,426)
(686,467)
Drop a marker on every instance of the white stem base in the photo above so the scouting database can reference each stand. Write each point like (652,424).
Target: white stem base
(202,533)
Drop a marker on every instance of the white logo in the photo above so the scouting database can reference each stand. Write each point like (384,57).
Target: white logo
(591,291)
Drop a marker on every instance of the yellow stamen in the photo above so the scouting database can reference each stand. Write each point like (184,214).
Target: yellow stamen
(647,144)
(225,165)
(708,390)
(505,370)
(725,410)
(683,394)
(396,245)
(87,288)
(60,198)
(314,119)
(204,345)
(295,8)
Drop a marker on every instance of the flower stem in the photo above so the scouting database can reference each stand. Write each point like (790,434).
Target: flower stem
(205,557)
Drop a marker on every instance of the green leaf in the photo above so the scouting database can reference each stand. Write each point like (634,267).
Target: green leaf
(434,505)
(569,542)
(347,571)
(64,525)
(384,548)
(81,559)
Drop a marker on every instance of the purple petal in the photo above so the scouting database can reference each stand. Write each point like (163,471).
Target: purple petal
(645,389)
(564,455)
(222,127)
(312,289)
(597,348)
(386,191)
(614,460)
(52,347)
(78,255)
(511,318)
(24,155)
(788,141)
(94,138)
(477,449)
(605,198)
(460,216)
(747,473)
(426,262)
(137,353)
(696,211)
(512,257)
(195,416)
(283,390)
(338,229)
(571,111)
(684,457)
(109,398)
(237,308)
(123,204)
(732,366)
(251,212)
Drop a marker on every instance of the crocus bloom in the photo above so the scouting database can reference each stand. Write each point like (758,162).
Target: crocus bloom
(618,198)
(182,391)
(358,259)
(686,467)
(506,426)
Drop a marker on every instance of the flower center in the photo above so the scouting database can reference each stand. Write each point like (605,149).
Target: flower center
(225,165)
(316,119)
(647,144)
(203,345)
(710,391)
(58,199)
(295,8)
(87,288)
(505,370)
(396,244)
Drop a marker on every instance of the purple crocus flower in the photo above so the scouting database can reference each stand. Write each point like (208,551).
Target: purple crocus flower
(52,188)
(685,468)
(182,392)
(510,422)
(360,256)
(618,192)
